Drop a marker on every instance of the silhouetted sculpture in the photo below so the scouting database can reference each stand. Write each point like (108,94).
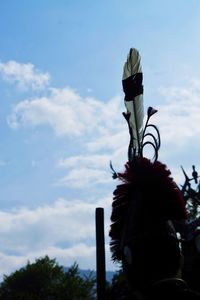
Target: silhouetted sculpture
(190,232)
(145,206)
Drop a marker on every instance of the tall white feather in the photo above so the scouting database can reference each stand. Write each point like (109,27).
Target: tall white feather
(134,106)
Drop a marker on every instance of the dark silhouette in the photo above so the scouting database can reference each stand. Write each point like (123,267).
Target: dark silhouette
(195,174)
(147,209)
(190,231)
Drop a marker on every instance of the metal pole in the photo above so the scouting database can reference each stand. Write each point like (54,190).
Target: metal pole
(100,254)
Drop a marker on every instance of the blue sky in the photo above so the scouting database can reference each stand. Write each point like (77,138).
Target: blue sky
(61,114)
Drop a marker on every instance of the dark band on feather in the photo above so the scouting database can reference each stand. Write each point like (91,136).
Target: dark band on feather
(132,86)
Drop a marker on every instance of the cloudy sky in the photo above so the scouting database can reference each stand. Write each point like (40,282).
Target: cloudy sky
(61,114)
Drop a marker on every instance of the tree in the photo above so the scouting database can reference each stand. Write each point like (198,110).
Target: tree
(46,280)
(80,288)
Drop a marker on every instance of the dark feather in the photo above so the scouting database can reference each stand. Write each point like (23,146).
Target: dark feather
(158,200)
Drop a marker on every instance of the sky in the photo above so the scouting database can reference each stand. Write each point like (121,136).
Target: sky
(61,104)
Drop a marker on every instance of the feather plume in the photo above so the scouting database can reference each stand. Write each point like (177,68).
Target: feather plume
(133,89)
(147,198)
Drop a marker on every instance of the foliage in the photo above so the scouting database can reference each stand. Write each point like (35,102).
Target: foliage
(46,280)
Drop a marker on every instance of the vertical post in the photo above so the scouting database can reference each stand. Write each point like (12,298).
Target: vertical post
(100,254)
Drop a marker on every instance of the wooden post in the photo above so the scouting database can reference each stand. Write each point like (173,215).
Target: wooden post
(100,254)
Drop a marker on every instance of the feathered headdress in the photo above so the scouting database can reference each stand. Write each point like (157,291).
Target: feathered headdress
(148,199)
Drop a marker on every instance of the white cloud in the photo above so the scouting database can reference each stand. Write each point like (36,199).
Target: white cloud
(99,125)
(24,75)
(65,230)
(67,113)
(110,140)
(84,171)
(102,124)
(179,116)
(101,130)
(86,160)
(10,263)
(85,177)
(49,224)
